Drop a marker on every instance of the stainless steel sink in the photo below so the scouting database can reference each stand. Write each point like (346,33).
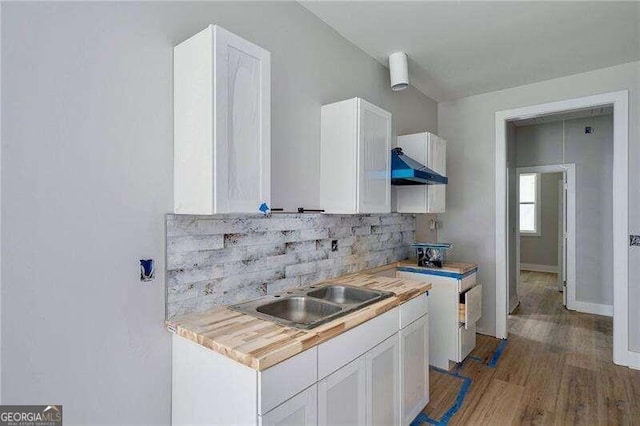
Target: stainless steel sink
(299,309)
(312,306)
(344,294)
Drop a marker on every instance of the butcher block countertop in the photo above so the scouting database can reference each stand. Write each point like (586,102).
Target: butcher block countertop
(260,344)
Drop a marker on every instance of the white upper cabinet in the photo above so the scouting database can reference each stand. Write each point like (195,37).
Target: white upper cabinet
(430,150)
(355,157)
(222,132)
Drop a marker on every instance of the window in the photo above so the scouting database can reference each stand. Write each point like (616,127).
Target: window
(530,204)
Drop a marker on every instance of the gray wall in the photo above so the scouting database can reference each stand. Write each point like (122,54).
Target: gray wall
(592,154)
(543,249)
(87,178)
(423,233)
(468,124)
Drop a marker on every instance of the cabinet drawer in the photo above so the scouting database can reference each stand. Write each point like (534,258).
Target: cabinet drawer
(285,379)
(467,282)
(413,309)
(301,410)
(348,346)
(466,341)
(470,307)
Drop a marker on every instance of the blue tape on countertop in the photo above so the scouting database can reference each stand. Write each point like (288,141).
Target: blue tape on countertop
(438,273)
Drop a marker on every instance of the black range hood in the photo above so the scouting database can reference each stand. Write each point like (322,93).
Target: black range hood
(407,171)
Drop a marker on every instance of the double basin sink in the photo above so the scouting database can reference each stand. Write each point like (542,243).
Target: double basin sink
(312,306)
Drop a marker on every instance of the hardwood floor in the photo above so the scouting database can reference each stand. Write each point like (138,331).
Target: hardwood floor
(555,369)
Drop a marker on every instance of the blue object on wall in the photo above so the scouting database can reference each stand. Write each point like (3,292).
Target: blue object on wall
(264,208)
(147,269)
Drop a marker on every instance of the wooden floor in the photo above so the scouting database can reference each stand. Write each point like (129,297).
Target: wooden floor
(556,369)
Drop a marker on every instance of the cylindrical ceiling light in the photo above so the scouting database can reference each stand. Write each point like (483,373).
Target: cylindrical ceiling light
(399,71)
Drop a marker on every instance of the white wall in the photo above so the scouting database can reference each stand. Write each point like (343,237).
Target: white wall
(468,124)
(423,233)
(87,177)
(543,249)
(592,154)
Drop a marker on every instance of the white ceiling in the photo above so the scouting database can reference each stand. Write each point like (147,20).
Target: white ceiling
(458,49)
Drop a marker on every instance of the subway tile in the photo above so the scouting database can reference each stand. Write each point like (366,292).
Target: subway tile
(189,243)
(300,269)
(184,260)
(193,275)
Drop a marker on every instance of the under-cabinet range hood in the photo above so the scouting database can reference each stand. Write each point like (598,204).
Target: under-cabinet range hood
(407,171)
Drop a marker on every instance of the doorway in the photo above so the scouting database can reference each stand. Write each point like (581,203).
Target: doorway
(545,228)
(619,229)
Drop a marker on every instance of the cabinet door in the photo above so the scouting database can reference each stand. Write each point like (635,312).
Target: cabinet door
(302,409)
(436,161)
(374,159)
(414,369)
(342,396)
(242,126)
(383,383)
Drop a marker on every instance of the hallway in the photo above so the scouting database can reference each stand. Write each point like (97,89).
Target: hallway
(555,369)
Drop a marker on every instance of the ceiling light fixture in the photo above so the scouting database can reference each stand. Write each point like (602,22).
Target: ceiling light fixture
(399,71)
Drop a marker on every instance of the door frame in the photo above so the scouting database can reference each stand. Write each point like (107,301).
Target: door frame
(562,221)
(620,101)
(569,170)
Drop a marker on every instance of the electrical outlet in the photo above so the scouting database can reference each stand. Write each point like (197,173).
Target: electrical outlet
(334,245)
(634,240)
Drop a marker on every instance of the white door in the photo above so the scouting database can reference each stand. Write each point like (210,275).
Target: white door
(374,159)
(436,161)
(383,383)
(342,396)
(562,237)
(301,410)
(242,129)
(414,369)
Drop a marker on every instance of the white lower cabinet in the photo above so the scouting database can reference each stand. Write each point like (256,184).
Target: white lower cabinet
(414,373)
(373,374)
(383,383)
(365,391)
(455,307)
(301,410)
(342,396)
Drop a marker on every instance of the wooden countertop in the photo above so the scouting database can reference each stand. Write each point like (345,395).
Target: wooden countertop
(454,267)
(260,344)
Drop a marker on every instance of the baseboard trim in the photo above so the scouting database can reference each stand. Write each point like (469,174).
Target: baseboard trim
(629,359)
(538,268)
(594,308)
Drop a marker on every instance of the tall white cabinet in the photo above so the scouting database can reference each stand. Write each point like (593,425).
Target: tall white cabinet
(222,134)
(430,150)
(355,157)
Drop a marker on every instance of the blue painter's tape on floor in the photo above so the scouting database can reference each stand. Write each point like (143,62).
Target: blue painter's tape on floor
(496,355)
(462,393)
(464,389)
